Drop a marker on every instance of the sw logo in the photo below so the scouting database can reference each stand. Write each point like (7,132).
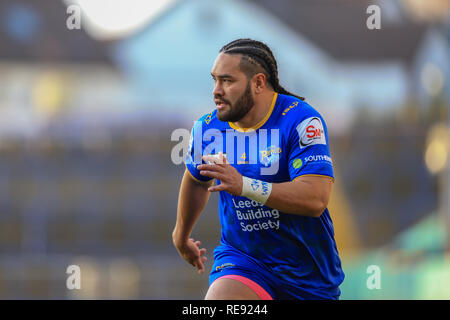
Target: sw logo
(313,132)
(310,132)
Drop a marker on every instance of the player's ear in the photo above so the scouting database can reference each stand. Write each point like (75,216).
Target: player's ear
(260,82)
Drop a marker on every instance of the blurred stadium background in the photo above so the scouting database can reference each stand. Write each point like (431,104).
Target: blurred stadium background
(86,116)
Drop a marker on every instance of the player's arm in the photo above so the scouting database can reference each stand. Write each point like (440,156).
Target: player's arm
(306,195)
(192,199)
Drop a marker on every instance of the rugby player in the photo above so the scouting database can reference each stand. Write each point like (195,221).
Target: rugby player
(277,237)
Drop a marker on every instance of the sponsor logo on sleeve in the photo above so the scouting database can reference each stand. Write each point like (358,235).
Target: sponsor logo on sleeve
(322,158)
(318,158)
(311,132)
(297,163)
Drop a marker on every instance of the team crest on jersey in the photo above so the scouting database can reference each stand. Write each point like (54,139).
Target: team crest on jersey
(311,132)
(271,155)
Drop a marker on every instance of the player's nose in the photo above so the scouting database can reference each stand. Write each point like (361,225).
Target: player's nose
(218,90)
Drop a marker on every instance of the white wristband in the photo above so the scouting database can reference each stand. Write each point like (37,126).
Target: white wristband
(256,189)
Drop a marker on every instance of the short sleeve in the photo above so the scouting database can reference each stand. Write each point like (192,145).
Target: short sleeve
(309,148)
(195,152)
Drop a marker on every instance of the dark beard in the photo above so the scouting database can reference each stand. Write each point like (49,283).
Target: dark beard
(242,106)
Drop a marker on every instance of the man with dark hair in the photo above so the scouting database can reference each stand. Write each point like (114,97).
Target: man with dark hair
(277,237)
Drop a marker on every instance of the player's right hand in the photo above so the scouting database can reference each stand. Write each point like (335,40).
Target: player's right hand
(192,253)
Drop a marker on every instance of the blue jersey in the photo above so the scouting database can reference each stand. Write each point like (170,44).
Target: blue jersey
(291,141)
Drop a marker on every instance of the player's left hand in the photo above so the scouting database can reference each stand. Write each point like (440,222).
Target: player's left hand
(230,178)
